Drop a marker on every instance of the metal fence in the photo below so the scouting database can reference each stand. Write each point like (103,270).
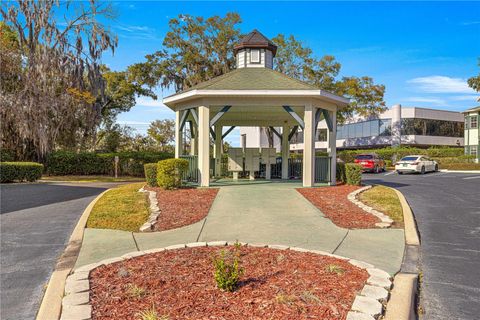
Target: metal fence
(295,169)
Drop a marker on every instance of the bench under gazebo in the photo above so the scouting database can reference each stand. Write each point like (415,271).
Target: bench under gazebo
(254,95)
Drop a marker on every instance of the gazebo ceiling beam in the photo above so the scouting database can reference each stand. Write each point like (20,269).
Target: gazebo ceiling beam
(276,133)
(219,115)
(227,132)
(295,116)
(294,130)
(328,120)
(212,133)
(183,119)
(193,111)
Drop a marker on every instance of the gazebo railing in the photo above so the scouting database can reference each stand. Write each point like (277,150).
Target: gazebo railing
(295,168)
(191,174)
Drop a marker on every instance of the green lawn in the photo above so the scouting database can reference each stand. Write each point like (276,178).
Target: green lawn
(92,178)
(384,200)
(122,208)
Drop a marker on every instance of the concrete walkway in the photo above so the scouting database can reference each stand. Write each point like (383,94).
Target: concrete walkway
(272,213)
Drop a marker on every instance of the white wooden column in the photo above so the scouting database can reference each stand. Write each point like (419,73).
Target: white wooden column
(218,149)
(309,146)
(204,146)
(332,148)
(178,135)
(285,151)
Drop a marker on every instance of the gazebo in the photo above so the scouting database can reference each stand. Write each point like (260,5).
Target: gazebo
(255,95)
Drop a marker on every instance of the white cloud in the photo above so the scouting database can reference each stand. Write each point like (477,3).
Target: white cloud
(470,23)
(431,100)
(467,97)
(136,32)
(441,84)
(149,102)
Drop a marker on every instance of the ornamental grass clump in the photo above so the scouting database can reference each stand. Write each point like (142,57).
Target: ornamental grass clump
(227,269)
(169,173)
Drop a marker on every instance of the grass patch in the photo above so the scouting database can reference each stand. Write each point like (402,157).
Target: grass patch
(385,200)
(95,178)
(122,208)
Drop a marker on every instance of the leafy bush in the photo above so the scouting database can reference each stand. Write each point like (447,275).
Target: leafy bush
(169,173)
(20,171)
(6,155)
(151,174)
(353,173)
(90,163)
(388,163)
(227,269)
(459,159)
(341,177)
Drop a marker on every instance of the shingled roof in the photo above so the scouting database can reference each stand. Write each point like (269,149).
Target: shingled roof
(255,39)
(252,79)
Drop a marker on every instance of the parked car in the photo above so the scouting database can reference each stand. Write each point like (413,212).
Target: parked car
(370,162)
(415,163)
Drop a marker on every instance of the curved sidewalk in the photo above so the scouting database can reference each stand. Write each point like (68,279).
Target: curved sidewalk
(271,213)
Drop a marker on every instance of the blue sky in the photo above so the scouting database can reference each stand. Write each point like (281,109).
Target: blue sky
(423,52)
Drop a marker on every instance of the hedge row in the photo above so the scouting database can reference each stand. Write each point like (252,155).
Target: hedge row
(353,174)
(20,171)
(394,154)
(88,163)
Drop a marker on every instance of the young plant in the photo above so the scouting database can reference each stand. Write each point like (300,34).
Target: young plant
(151,314)
(227,269)
(135,291)
(333,268)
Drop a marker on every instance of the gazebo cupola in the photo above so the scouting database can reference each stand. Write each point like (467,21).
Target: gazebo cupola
(255,51)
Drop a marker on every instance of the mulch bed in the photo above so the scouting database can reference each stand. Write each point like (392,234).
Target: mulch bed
(179,284)
(333,202)
(183,206)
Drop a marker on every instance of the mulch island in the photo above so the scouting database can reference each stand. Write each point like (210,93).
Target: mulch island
(181,207)
(333,202)
(180,284)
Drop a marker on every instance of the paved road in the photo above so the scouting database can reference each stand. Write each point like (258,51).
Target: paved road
(447,210)
(36,223)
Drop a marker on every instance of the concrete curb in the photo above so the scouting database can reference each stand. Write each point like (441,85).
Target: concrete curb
(51,305)
(460,171)
(411,233)
(402,301)
(386,221)
(369,304)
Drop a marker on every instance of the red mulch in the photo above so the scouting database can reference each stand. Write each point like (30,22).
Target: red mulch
(333,202)
(277,284)
(182,207)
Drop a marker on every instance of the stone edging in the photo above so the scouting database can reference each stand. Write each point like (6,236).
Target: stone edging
(368,305)
(154,211)
(386,221)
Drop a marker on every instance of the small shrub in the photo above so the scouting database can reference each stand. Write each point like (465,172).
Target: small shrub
(353,173)
(135,291)
(309,297)
(333,268)
(151,314)
(20,171)
(169,173)
(388,163)
(151,174)
(341,172)
(227,270)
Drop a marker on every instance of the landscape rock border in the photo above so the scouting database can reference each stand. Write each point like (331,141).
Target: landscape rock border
(154,211)
(386,221)
(368,305)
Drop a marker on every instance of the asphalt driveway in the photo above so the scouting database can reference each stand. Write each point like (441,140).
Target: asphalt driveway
(36,222)
(447,210)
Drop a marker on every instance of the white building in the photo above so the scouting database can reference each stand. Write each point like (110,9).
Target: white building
(472,133)
(410,126)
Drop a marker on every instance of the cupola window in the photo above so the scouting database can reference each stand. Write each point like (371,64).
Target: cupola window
(255,56)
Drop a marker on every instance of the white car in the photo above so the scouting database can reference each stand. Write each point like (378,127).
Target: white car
(414,163)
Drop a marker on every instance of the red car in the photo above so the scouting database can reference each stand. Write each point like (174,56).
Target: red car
(370,162)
